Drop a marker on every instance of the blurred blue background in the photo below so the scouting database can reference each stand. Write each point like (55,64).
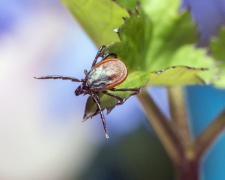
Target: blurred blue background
(206,103)
(41,133)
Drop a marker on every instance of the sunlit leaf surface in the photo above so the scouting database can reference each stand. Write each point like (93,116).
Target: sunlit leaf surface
(98,18)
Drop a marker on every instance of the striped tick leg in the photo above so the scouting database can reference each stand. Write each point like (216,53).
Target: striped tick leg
(99,54)
(59,77)
(97,102)
(121,100)
(135,90)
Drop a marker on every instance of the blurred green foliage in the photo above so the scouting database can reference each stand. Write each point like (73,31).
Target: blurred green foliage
(217,47)
(138,156)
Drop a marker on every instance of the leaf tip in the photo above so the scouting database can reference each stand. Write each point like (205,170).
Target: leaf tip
(84,119)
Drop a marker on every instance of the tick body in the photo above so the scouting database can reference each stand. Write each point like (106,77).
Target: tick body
(103,77)
(106,75)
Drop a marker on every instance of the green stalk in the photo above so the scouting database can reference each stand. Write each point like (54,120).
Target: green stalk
(162,127)
(209,135)
(174,135)
(180,119)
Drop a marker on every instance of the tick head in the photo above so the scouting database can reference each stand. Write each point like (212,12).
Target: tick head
(79,90)
(82,89)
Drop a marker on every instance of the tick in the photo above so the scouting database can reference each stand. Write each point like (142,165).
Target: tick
(103,77)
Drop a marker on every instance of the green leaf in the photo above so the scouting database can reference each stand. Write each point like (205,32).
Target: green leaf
(217,46)
(141,48)
(176,75)
(128,4)
(154,37)
(135,36)
(98,18)
(159,37)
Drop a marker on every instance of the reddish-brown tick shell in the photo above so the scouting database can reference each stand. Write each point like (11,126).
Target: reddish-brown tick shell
(116,69)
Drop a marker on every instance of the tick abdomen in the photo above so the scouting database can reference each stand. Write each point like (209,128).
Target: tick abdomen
(106,75)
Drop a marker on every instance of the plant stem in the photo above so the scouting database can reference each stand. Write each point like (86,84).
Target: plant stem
(189,168)
(162,127)
(179,115)
(188,171)
(185,153)
(179,147)
(209,135)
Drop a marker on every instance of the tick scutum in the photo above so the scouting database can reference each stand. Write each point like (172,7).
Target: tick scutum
(98,78)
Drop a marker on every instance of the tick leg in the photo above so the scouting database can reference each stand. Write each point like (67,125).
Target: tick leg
(59,77)
(135,90)
(110,54)
(99,54)
(121,100)
(97,97)
(97,102)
